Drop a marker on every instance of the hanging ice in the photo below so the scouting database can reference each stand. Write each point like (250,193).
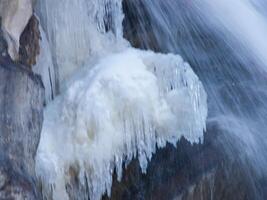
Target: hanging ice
(121,104)
(129,103)
(80,30)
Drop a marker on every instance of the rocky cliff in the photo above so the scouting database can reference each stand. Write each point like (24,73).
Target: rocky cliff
(21,116)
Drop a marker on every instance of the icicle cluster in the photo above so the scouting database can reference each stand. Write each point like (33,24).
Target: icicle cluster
(80,30)
(120,105)
(129,103)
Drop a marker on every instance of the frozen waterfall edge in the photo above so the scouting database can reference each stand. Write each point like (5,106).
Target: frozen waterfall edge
(116,103)
(127,105)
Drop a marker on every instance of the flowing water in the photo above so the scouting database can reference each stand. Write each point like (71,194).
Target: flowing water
(225,43)
(117,102)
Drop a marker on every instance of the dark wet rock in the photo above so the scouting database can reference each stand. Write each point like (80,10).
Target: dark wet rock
(188,172)
(139,34)
(3,44)
(30,43)
(14,184)
(21,117)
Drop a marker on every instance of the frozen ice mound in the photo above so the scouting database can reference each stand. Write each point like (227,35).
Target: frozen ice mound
(122,108)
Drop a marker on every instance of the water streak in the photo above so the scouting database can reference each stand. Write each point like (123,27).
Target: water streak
(225,43)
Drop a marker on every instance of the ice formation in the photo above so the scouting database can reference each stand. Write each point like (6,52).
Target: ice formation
(129,103)
(80,30)
(116,102)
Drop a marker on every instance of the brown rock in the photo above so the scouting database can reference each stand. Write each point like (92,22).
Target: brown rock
(30,43)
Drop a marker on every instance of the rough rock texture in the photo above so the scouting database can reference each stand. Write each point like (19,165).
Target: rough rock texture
(3,45)
(21,116)
(30,43)
(15,15)
(188,172)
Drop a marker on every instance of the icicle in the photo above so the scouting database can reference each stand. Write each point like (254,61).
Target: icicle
(80,30)
(120,107)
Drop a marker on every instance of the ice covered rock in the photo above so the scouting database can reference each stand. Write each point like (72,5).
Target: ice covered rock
(116,103)
(122,108)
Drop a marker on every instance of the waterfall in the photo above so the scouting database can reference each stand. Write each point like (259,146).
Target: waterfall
(116,102)
(225,43)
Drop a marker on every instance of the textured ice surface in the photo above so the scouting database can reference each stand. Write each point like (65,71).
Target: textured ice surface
(122,108)
(116,102)
(80,30)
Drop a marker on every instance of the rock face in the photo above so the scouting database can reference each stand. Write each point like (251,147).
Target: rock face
(188,172)
(30,43)
(15,15)
(21,116)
